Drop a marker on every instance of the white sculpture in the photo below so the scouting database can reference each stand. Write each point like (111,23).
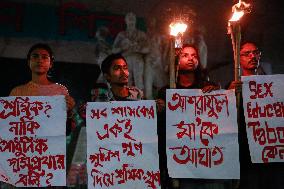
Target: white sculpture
(154,73)
(132,44)
(102,49)
(202,48)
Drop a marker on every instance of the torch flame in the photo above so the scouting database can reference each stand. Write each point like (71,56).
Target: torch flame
(239,10)
(177,28)
(237,16)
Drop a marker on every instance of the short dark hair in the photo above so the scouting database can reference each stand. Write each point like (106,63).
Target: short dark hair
(41,46)
(249,42)
(107,62)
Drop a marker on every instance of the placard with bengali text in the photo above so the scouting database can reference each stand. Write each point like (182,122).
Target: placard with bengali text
(33,141)
(263,103)
(202,134)
(122,145)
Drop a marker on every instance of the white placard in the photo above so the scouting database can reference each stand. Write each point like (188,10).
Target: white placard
(122,145)
(202,134)
(263,103)
(33,141)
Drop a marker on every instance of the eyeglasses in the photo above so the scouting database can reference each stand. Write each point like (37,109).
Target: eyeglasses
(42,56)
(248,53)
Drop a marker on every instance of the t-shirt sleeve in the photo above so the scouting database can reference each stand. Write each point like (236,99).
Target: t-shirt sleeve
(63,89)
(15,92)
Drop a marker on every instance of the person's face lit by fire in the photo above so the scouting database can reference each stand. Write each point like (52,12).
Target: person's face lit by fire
(249,57)
(40,61)
(188,59)
(118,73)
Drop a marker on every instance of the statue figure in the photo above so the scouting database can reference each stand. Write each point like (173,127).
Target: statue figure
(155,75)
(202,48)
(132,44)
(102,48)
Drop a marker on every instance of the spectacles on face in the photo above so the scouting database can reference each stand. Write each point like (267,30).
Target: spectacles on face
(42,56)
(248,53)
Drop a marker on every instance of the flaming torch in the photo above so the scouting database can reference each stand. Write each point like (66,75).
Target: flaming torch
(177,30)
(234,28)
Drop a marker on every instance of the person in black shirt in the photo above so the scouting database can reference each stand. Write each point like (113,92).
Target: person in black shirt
(191,75)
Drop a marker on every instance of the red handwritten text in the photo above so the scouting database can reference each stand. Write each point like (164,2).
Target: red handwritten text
(205,104)
(23,105)
(104,155)
(124,175)
(275,109)
(207,157)
(260,90)
(116,129)
(188,130)
(138,111)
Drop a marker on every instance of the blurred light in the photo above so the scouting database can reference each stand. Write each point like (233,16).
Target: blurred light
(177,28)
(236,16)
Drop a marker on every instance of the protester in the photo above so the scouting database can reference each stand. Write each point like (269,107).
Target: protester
(40,60)
(253,175)
(115,70)
(249,62)
(191,75)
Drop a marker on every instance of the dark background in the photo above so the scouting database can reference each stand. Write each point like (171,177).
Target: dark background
(264,25)
(78,78)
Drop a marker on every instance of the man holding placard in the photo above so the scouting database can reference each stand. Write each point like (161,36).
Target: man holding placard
(254,173)
(115,71)
(122,150)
